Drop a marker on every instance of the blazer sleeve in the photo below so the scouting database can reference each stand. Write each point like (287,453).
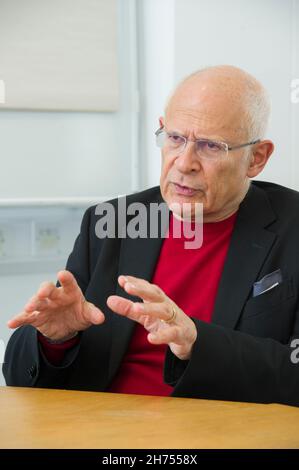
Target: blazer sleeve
(230,365)
(24,363)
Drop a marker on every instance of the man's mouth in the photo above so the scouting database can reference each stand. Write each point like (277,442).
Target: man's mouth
(184,190)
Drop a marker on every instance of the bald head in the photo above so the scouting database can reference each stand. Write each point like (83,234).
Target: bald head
(227,94)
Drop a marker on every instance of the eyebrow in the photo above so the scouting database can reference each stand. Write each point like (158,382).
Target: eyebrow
(215,138)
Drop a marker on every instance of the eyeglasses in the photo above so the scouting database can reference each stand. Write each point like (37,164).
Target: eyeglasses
(205,148)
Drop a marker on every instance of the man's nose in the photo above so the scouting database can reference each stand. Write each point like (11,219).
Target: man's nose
(187,160)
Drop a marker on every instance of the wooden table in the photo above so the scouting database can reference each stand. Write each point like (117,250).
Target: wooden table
(43,418)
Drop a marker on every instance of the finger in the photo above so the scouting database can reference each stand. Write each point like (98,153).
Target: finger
(125,307)
(36,304)
(45,290)
(22,319)
(40,301)
(156,310)
(165,336)
(94,314)
(141,288)
(67,281)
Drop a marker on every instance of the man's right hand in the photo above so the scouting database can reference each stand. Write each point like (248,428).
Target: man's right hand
(59,312)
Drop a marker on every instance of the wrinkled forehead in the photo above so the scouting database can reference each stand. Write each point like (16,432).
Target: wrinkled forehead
(207,109)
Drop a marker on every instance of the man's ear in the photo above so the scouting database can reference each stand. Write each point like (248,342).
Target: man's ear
(260,155)
(161,121)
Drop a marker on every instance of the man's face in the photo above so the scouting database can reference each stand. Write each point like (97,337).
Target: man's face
(220,185)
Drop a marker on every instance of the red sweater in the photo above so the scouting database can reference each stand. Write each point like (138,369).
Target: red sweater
(190,277)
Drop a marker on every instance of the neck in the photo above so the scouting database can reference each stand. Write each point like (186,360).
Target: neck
(229,210)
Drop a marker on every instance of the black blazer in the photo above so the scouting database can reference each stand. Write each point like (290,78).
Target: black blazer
(243,355)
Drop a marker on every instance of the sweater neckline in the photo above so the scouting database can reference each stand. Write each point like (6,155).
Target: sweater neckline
(209,228)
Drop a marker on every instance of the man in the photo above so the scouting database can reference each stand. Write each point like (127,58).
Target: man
(147,315)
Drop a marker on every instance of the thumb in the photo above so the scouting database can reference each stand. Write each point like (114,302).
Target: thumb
(94,314)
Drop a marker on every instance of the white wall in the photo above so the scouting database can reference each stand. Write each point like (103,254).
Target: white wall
(261,36)
(47,154)
(156,31)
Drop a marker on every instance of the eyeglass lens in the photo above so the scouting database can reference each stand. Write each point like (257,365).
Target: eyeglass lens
(203,147)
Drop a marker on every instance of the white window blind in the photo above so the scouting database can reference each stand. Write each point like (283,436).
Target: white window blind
(59,54)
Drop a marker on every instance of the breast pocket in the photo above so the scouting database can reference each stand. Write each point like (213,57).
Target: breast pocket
(271,315)
(270,300)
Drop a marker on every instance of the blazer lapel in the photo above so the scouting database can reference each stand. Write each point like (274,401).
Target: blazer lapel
(249,247)
(138,257)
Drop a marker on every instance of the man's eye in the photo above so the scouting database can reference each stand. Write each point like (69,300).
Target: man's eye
(210,146)
(175,139)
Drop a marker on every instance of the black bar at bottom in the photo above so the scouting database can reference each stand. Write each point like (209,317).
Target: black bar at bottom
(136,458)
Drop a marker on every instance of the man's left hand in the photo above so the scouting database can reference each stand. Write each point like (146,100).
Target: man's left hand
(160,316)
